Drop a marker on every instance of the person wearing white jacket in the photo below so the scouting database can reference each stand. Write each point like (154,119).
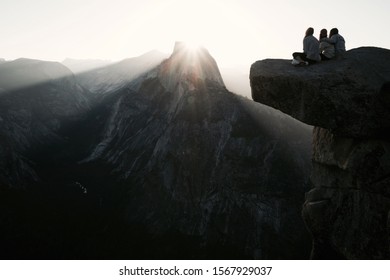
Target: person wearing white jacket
(338,41)
(327,50)
(311,49)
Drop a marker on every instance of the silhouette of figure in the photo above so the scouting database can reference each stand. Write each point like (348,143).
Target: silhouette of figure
(336,39)
(327,50)
(311,49)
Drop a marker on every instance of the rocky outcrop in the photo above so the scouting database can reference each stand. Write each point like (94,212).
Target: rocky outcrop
(347,99)
(349,96)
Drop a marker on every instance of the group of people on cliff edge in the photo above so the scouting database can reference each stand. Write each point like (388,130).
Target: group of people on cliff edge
(324,48)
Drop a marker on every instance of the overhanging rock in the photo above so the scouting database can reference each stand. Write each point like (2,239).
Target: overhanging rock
(350,96)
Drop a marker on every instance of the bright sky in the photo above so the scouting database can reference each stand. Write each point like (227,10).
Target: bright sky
(236,32)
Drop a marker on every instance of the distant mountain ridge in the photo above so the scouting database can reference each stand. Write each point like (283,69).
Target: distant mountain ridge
(113,76)
(24,73)
(82,65)
(39,98)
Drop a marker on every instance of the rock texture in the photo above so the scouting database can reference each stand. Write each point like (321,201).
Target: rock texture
(201,162)
(349,96)
(170,165)
(348,209)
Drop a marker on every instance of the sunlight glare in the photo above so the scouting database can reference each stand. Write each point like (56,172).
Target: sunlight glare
(192,46)
(198,23)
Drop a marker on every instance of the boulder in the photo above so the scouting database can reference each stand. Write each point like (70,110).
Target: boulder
(350,95)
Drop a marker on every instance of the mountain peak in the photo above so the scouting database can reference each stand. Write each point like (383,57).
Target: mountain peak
(189,67)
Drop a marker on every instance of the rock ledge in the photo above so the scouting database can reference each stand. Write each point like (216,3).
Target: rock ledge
(350,96)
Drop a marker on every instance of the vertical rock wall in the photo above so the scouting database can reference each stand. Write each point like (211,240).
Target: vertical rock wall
(347,210)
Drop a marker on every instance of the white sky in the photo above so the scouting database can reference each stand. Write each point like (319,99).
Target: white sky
(236,32)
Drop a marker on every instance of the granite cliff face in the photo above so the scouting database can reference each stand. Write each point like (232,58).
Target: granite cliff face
(347,100)
(202,163)
(168,165)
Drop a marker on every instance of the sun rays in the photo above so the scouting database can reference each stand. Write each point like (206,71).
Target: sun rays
(189,68)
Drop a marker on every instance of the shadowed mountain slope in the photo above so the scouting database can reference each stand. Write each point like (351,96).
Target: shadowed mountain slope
(170,166)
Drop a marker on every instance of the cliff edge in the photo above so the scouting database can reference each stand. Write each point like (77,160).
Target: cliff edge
(350,96)
(347,99)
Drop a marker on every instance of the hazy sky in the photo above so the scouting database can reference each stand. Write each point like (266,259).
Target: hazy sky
(235,32)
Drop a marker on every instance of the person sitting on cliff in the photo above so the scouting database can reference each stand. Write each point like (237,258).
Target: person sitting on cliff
(327,50)
(337,40)
(311,49)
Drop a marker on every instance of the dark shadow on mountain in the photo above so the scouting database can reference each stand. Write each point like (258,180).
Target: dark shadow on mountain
(151,170)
